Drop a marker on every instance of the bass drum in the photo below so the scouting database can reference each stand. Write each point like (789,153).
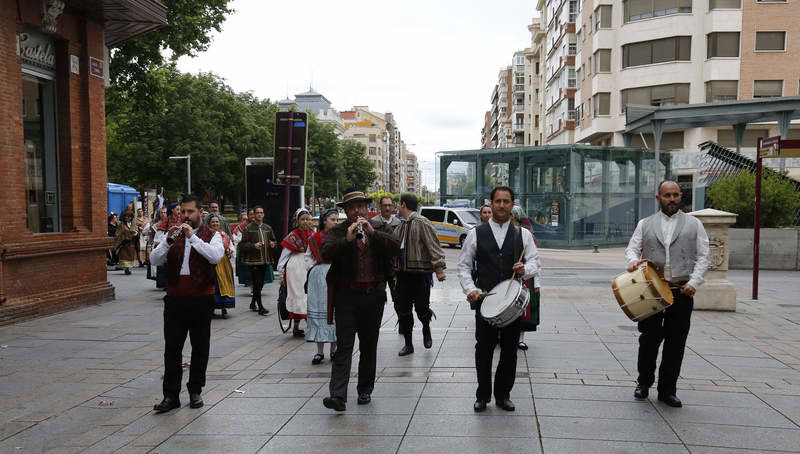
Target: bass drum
(505,304)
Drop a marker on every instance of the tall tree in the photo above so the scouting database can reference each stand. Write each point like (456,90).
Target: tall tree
(357,168)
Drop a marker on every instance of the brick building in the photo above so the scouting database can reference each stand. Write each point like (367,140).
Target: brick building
(53,70)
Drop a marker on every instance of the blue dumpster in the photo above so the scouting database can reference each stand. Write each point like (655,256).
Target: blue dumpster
(119,196)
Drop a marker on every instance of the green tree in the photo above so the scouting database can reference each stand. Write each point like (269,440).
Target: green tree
(323,151)
(736,193)
(356,167)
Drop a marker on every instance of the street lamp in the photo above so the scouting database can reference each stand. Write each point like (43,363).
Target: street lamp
(337,184)
(312,164)
(188,159)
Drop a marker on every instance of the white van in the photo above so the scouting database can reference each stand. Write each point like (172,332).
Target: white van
(452,224)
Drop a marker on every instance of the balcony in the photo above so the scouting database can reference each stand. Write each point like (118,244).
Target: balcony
(519,88)
(518,108)
(518,127)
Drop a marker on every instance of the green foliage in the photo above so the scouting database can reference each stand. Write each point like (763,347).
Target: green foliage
(736,194)
(187,32)
(328,153)
(376,196)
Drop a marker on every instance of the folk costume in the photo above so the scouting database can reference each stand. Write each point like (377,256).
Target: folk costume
(359,272)
(242,270)
(258,260)
(224,289)
(125,241)
(677,246)
(292,266)
(188,307)
(495,249)
(317,328)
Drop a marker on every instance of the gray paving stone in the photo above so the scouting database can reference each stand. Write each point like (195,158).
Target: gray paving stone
(238,424)
(346,424)
(583,392)
(469,445)
(482,425)
(259,406)
(520,389)
(382,389)
(655,430)
(463,406)
(278,390)
(210,444)
(738,416)
(738,436)
(596,409)
(379,406)
(314,444)
(713,450)
(559,446)
(789,406)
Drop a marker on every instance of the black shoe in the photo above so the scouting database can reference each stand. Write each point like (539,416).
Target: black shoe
(641,392)
(364,399)
(671,400)
(333,356)
(505,404)
(127,271)
(427,341)
(253,306)
(479,406)
(195,401)
(334,403)
(167,404)
(406,350)
(522,346)
(317,358)
(263,311)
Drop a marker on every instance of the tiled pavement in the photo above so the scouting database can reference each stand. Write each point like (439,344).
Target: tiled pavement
(86,380)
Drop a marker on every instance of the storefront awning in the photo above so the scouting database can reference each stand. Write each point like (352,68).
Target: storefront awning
(126,19)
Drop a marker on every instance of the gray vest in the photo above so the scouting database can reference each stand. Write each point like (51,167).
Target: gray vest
(682,248)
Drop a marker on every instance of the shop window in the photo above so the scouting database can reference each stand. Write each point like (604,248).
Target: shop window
(722,44)
(42,194)
(767,88)
(721,90)
(770,41)
(724,4)
(676,48)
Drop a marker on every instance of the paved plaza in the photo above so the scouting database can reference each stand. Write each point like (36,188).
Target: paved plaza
(86,380)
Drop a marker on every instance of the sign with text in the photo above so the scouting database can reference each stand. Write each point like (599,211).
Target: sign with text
(770,147)
(291,136)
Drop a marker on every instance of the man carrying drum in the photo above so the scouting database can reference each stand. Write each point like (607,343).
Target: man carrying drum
(676,244)
(500,251)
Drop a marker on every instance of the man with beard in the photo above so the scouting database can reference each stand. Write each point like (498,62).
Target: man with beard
(190,259)
(676,244)
(361,253)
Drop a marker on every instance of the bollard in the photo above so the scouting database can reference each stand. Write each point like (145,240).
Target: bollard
(596,248)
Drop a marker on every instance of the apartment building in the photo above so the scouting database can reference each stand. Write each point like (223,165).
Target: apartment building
(414,175)
(534,108)
(663,52)
(559,78)
(317,104)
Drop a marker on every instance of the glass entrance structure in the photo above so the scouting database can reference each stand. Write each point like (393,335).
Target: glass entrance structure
(574,195)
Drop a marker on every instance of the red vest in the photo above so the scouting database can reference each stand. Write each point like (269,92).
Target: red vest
(201,272)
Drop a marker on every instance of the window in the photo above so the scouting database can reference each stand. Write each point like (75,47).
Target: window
(724,4)
(726,138)
(721,90)
(658,95)
(766,41)
(722,44)
(672,140)
(677,48)
(767,88)
(602,17)
(602,104)
(644,9)
(602,61)
(452,218)
(372,150)
(372,137)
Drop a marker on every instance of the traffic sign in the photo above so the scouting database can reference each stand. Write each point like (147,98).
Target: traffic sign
(291,136)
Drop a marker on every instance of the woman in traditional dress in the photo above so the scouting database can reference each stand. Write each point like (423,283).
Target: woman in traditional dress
(113,222)
(292,268)
(242,270)
(141,241)
(317,328)
(224,290)
(125,242)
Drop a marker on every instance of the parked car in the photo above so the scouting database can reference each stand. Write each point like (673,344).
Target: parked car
(452,224)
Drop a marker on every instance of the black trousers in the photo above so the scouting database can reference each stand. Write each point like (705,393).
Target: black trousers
(671,326)
(486,336)
(412,293)
(184,316)
(356,314)
(259,273)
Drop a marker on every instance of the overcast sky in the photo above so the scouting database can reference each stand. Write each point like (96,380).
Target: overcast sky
(433,63)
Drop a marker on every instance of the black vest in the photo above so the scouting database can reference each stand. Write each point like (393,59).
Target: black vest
(496,265)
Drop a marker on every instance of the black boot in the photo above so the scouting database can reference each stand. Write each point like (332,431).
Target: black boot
(261,310)
(427,341)
(408,348)
(253,305)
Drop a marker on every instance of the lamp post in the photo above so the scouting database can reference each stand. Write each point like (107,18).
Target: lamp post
(188,159)
(337,185)
(312,164)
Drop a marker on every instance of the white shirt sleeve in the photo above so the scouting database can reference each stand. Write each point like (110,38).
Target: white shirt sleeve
(465,261)
(213,251)
(633,253)
(703,259)
(158,256)
(532,263)
(283,260)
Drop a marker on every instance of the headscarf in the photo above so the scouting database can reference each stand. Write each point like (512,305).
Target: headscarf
(324,216)
(297,240)
(518,212)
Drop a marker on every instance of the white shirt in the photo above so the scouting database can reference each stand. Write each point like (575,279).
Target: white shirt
(470,247)
(213,251)
(633,253)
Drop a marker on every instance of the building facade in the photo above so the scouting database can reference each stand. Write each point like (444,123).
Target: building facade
(318,105)
(52,141)
(414,175)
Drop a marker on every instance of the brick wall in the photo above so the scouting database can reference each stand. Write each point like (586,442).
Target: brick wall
(46,273)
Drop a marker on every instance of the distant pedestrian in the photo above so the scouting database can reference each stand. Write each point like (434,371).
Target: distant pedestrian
(213,209)
(113,221)
(141,240)
(257,242)
(486,213)
(386,213)
(317,328)
(237,234)
(125,242)
(190,260)
(292,269)
(224,289)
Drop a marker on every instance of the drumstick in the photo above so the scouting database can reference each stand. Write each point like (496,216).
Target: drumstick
(514,274)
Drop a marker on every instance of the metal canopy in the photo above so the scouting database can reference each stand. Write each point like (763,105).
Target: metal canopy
(727,113)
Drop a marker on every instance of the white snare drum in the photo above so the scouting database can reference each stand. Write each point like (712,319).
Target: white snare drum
(641,293)
(503,305)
